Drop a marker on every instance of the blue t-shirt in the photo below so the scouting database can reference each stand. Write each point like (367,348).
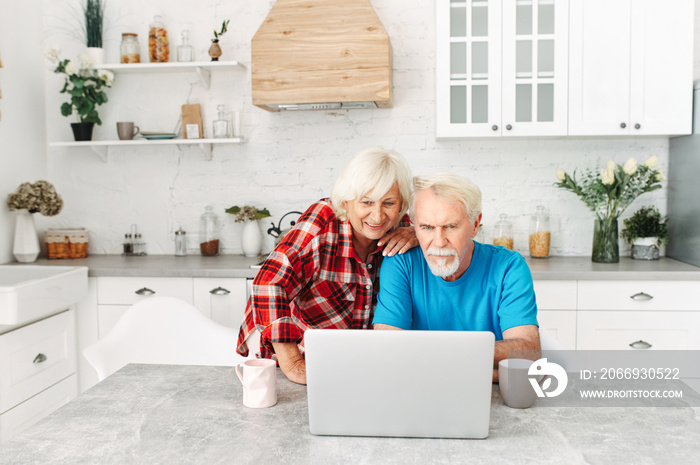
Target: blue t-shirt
(494,294)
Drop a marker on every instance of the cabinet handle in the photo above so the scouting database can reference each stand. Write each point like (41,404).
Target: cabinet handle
(145,291)
(509,127)
(219,291)
(641,296)
(637,126)
(40,358)
(494,128)
(640,345)
(623,125)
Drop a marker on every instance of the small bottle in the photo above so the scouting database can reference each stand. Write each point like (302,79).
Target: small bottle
(503,232)
(540,234)
(139,245)
(158,45)
(180,243)
(128,244)
(185,52)
(209,232)
(221,124)
(130,48)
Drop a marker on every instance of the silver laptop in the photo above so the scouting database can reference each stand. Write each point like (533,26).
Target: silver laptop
(434,384)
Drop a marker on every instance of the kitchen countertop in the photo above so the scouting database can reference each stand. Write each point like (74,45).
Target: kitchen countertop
(238,266)
(168,414)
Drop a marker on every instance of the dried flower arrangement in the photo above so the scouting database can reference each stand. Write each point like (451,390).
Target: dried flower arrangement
(247,213)
(40,197)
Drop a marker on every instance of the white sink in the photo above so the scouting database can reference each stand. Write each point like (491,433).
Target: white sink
(31,292)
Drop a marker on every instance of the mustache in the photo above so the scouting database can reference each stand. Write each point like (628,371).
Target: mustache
(441,252)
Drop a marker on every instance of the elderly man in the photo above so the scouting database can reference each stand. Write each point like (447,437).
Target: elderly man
(452,282)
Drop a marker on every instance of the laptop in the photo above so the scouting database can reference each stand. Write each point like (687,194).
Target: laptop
(432,384)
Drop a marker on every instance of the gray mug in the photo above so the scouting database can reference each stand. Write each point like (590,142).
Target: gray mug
(513,382)
(127,130)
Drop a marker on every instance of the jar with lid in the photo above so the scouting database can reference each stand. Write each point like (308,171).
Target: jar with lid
(130,48)
(180,243)
(158,46)
(209,232)
(540,234)
(185,52)
(503,232)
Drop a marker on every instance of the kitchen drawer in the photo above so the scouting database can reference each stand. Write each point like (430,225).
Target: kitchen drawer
(664,330)
(34,357)
(555,295)
(638,295)
(123,291)
(561,325)
(221,299)
(29,412)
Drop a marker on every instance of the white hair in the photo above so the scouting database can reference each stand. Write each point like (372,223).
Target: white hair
(450,187)
(373,170)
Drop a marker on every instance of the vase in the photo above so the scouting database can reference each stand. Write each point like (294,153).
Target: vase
(251,239)
(215,51)
(97,55)
(606,248)
(26,245)
(82,131)
(645,248)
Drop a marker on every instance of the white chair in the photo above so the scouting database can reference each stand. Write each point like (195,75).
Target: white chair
(164,330)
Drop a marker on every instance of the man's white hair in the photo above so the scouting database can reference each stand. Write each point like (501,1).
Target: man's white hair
(451,187)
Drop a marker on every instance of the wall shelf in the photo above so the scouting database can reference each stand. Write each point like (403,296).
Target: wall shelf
(102,147)
(202,68)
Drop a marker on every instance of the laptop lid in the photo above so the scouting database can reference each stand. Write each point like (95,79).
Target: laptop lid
(433,384)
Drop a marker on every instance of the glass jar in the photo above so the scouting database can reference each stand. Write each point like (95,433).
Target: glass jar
(503,232)
(185,52)
(209,232)
(221,125)
(130,48)
(158,46)
(540,234)
(180,243)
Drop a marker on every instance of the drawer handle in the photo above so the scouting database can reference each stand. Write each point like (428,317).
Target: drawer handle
(640,345)
(145,291)
(641,296)
(219,291)
(40,358)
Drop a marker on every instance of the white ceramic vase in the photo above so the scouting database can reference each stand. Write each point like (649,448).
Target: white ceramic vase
(26,246)
(251,239)
(97,55)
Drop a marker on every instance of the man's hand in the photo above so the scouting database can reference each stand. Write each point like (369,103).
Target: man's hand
(521,338)
(291,361)
(399,240)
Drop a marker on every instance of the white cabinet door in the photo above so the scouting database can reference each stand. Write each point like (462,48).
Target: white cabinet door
(468,68)
(561,325)
(222,299)
(630,66)
(535,68)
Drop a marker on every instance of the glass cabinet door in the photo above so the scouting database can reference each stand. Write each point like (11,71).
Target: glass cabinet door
(468,66)
(535,49)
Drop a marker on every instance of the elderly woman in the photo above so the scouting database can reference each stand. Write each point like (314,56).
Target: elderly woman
(324,272)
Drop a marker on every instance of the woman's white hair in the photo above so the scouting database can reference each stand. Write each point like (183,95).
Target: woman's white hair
(373,170)
(450,187)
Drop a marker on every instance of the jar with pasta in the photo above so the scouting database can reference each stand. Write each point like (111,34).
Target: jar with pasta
(540,233)
(130,48)
(158,46)
(503,232)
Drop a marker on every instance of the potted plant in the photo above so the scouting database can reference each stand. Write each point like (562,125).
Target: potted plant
(85,86)
(215,50)
(646,231)
(251,239)
(93,12)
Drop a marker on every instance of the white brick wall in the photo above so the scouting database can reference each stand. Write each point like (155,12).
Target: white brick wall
(291,159)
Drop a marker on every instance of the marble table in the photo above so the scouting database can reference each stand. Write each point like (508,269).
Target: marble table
(161,414)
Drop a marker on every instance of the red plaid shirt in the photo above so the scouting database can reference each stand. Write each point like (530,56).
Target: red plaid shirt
(313,279)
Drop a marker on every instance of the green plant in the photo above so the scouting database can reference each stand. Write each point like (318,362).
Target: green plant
(93,10)
(646,222)
(247,213)
(224,28)
(84,85)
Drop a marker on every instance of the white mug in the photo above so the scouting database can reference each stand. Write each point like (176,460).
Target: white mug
(513,382)
(259,379)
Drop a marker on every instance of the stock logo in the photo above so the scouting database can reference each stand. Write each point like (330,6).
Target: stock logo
(540,376)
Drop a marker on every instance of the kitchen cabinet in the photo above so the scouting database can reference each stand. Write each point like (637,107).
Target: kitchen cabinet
(38,366)
(501,68)
(556,310)
(631,67)
(221,299)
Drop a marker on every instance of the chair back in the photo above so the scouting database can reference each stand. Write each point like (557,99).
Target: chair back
(163,330)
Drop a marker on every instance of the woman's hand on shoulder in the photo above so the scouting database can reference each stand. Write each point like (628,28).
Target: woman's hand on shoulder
(399,240)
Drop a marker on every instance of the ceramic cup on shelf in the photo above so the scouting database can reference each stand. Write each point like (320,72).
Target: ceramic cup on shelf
(259,379)
(127,130)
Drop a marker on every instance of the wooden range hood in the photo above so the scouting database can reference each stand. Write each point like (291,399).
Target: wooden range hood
(321,54)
